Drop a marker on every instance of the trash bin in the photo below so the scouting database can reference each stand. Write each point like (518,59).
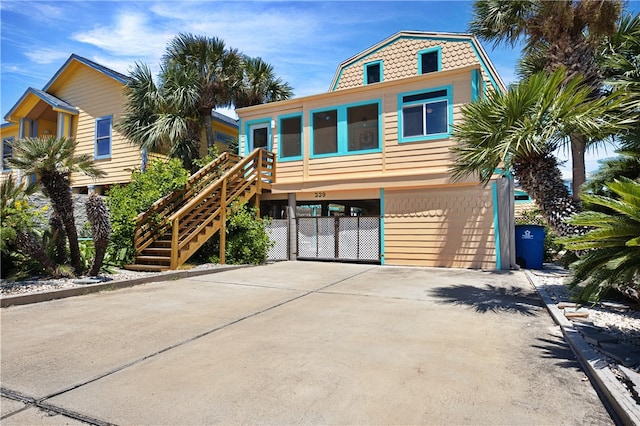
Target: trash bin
(530,246)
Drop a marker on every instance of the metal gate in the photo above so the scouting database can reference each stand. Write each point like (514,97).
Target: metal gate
(278,230)
(339,238)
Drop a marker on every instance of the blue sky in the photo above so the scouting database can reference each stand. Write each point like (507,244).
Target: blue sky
(304,40)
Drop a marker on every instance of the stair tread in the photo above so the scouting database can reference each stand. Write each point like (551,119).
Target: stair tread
(146,268)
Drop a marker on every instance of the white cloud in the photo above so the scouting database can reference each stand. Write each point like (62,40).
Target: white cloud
(132,34)
(46,55)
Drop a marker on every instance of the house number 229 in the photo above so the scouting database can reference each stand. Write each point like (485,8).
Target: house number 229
(319,194)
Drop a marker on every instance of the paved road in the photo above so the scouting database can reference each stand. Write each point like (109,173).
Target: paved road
(298,343)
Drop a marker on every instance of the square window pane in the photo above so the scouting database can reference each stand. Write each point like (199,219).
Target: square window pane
(436,117)
(103,127)
(291,137)
(103,147)
(325,132)
(373,73)
(429,62)
(412,121)
(363,127)
(260,136)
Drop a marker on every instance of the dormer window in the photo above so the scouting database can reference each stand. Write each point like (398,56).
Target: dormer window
(373,72)
(429,60)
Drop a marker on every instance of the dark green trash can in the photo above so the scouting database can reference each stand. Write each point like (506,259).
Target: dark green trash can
(530,246)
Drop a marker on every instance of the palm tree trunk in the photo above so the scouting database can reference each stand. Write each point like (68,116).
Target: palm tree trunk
(540,176)
(208,125)
(29,244)
(59,239)
(59,190)
(578,145)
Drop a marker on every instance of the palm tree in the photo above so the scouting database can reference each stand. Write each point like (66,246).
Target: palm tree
(53,159)
(163,118)
(556,34)
(217,70)
(518,131)
(612,258)
(260,85)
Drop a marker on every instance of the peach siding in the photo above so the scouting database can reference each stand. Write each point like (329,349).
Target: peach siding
(97,95)
(450,227)
(400,59)
(394,158)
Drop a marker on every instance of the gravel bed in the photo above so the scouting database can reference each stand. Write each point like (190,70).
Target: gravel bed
(39,285)
(624,325)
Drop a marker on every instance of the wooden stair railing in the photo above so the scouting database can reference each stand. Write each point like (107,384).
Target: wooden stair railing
(177,225)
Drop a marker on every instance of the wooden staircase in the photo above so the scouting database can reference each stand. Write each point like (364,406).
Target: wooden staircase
(180,223)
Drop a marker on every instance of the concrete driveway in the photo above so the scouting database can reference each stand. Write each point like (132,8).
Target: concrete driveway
(297,343)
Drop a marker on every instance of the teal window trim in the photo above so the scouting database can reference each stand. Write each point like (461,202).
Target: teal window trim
(343,130)
(382,226)
(366,73)
(241,147)
(401,105)
(5,142)
(247,131)
(496,225)
(103,138)
(297,157)
(438,50)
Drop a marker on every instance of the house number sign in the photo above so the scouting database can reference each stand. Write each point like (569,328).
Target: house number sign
(319,194)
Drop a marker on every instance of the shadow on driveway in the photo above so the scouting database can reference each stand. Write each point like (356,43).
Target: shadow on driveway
(513,300)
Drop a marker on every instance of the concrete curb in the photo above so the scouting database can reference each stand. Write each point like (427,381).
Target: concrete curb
(621,406)
(26,299)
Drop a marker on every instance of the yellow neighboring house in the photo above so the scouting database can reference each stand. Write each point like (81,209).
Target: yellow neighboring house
(377,146)
(84,100)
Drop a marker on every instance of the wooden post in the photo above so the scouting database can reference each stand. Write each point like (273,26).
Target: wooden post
(175,243)
(223,223)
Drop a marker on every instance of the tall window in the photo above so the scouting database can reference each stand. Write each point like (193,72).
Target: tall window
(325,132)
(424,115)
(290,137)
(7,152)
(103,138)
(429,60)
(363,127)
(373,72)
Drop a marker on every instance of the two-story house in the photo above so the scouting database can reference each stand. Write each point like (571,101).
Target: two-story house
(84,101)
(363,169)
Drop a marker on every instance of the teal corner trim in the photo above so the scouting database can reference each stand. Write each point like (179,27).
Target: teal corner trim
(382,226)
(475,90)
(496,224)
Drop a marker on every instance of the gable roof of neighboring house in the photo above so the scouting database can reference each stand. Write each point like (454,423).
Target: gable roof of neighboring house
(100,68)
(479,51)
(224,119)
(55,103)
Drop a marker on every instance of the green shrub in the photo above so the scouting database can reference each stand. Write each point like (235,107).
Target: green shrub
(126,202)
(247,239)
(610,250)
(17,216)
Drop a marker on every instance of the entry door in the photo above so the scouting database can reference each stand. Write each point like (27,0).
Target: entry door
(259,136)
